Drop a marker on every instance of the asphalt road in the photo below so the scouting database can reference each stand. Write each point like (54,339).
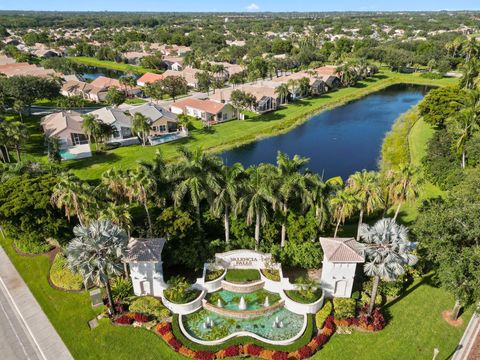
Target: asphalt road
(15,342)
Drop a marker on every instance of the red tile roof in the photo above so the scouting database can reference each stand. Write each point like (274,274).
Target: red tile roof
(149,78)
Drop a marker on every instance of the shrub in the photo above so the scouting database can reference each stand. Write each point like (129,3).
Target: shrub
(179,291)
(122,288)
(322,314)
(204,355)
(365,299)
(305,352)
(32,246)
(232,351)
(213,274)
(141,318)
(271,274)
(124,320)
(164,328)
(253,350)
(431,75)
(344,308)
(62,276)
(175,344)
(151,306)
(280,355)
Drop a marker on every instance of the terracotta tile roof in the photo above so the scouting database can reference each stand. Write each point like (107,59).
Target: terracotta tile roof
(149,78)
(327,70)
(208,106)
(147,250)
(258,91)
(15,69)
(341,250)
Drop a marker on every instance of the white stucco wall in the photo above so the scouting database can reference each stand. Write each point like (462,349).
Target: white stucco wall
(337,278)
(147,278)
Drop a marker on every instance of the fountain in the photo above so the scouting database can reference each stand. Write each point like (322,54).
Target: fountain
(266,303)
(208,324)
(242,305)
(219,303)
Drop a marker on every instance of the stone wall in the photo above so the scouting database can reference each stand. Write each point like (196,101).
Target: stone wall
(243,288)
(242,314)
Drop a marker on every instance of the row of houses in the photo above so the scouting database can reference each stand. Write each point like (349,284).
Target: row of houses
(11,68)
(96,90)
(67,125)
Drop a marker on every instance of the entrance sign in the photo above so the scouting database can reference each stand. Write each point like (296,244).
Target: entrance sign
(243,259)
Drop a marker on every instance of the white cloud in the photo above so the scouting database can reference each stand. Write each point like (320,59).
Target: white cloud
(253,7)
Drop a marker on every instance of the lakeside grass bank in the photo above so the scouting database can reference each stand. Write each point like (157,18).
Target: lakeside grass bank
(111,65)
(236,133)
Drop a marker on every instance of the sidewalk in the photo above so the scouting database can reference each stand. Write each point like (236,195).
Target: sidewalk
(468,346)
(48,343)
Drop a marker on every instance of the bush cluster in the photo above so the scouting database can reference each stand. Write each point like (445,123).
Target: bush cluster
(344,308)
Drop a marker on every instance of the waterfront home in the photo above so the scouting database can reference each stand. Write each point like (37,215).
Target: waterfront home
(24,69)
(210,112)
(134,57)
(104,82)
(66,126)
(149,78)
(85,90)
(121,123)
(161,120)
(266,97)
(332,82)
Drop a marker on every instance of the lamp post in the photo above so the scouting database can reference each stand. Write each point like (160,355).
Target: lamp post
(435,353)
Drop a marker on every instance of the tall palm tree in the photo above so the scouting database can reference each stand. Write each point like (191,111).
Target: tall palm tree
(256,198)
(403,186)
(115,180)
(293,84)
(343,205)
(470,48)
(118,214)
(470,72)
(141,126)
(230,182)
(283,92)
(196,176)
(90,126)
(290,183)
(366,188)
(141,187)
(387,251)
(72,195)
(318,197)
(304,86)
(465,123)
(17,134)
(97,252)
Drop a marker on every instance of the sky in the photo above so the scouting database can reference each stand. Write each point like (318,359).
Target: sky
(239,5)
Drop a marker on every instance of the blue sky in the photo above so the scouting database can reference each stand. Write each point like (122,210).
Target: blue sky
(239,5)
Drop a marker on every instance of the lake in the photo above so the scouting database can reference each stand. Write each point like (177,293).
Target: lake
(338,141)
(90,73)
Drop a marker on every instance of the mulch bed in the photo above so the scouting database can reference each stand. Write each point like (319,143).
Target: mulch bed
(446,314)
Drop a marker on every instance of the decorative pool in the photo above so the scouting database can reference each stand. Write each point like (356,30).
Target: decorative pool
(276,326)
(253,301)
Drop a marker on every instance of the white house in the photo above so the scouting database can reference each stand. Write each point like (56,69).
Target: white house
(145,261)
(340,259)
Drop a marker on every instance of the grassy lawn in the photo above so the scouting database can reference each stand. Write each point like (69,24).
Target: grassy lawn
(112,65)
(242,275)
(415,328)
(70,313)
(236,133)
(135,101)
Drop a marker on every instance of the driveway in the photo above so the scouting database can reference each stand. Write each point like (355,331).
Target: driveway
(15,342)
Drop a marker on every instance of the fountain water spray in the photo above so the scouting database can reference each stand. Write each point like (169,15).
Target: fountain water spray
(242,305)
(266,303)
(219,303)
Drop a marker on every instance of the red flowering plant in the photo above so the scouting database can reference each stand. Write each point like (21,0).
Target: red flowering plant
(141,318)
(204,355)
(175,344)
(232,351)
(280,355)
(254,350)
(305,352)
(164,328)
(124,320)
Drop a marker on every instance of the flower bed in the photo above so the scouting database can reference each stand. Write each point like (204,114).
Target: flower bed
(363,321)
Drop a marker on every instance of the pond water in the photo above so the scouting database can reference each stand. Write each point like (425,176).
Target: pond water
(338,141)
(90,73)
(253,301)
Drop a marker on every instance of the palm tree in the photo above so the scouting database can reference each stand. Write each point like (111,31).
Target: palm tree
(283,92)
(90,126)
(228,191)
(118,214)
(343,204)
(465,123)
(140,186)
(470,49)
(470,72)
(115,181)
(366,188)
(17,134)
(184,122)
(304,86)
(256,198)
(293,83)
(97,252)
(141,126)
(387,251)
(318,196)
(290,183)
(72,195)
(403,186)
(196,176)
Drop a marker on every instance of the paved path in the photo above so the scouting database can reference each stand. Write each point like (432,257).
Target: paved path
(469,346)
(25,331)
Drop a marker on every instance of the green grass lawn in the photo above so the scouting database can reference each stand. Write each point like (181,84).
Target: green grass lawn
(236,133)
(112,65)
(415,328)
(242,275)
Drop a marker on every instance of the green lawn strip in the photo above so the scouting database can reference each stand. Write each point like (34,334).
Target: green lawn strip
(70,313)
(242,275)
(415,327)
(135,101)
(302,341)
(236,133)
(298,297)
(112,65)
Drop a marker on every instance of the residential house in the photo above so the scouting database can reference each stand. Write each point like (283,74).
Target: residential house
(174,50)
(4,60)
(210,112)
(189,74)
(104,82)
(134,57)
(149,78)
(161,120)
(121,123)
(66,126)
(85,90)
(174,63)
(16,69)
